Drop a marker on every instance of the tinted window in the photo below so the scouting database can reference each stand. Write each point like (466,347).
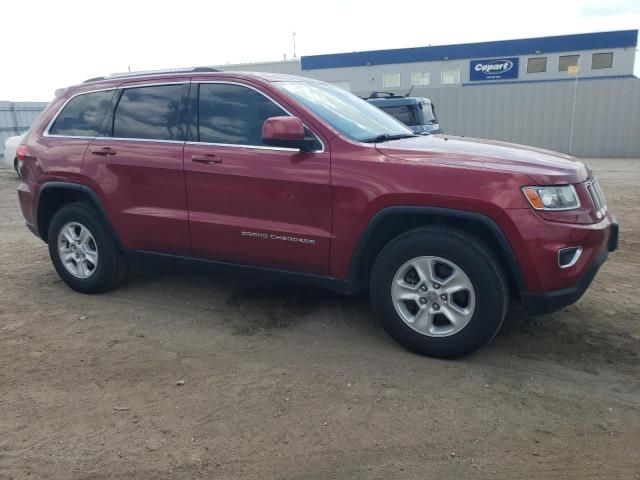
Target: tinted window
(149,113)
(407,114)
(567,61)
(233,114)
(537,65)
(602,60)
(450,77)
(391,80)
(83,115)
(420,78)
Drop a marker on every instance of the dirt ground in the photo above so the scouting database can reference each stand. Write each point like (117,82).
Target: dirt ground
(289,382)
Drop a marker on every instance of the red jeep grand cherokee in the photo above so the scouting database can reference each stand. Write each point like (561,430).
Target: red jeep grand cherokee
(292,176)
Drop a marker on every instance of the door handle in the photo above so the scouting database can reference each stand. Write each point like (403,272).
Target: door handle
(105,151)
(206,158)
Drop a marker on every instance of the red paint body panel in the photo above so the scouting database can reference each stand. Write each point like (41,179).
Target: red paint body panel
(307,211)
(543,167)
(142,188)
(365,181)
(283,128)
(536,243)
(260,191)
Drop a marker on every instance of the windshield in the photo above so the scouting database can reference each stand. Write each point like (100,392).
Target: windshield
(350,115)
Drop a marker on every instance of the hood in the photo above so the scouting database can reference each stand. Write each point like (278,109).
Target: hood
(544,167)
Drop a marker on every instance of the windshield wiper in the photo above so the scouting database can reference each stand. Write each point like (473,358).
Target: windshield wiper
(385,137)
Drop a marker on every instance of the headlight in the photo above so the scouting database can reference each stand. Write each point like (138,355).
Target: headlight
(562,197)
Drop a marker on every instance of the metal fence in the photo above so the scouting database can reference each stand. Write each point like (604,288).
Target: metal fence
(16,118)
(606,117)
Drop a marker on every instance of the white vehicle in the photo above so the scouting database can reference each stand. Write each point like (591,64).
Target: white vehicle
(10,147)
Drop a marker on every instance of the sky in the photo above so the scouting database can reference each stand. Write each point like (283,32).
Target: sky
(57,43)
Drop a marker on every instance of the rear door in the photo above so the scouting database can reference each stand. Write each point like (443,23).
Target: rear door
(62,146)
(138,167)
(251,203)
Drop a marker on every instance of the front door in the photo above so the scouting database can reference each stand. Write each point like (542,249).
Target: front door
(250,203)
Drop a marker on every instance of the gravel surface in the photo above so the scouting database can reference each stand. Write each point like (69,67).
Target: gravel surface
(182,374)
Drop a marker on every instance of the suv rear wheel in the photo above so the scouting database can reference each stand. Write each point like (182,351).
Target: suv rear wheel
(83,250)
(439,292)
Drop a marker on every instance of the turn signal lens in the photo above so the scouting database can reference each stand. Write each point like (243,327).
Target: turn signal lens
(562,197)
(533,198)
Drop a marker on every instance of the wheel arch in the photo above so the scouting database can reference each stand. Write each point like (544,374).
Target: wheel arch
(56,194)
(390,222)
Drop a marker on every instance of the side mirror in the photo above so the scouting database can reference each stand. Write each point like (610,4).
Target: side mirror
(287,132)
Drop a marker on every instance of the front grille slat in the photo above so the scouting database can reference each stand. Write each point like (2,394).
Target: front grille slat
(597,198)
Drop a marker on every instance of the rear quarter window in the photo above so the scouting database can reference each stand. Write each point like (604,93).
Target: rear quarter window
(83,115)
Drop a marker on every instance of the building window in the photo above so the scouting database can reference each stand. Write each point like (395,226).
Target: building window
(537,65)
(601,60)
(391,80)
(420,78)
(567,61)
(450,77)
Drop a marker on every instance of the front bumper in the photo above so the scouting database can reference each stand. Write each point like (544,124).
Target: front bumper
(548,302)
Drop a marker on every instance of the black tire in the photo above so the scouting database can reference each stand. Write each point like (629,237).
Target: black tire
(473,258)
(111,265)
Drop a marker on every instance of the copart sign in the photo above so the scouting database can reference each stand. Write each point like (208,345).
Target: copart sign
(493,69)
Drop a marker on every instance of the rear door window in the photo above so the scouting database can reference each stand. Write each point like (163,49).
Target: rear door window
(149,113)
(83,115)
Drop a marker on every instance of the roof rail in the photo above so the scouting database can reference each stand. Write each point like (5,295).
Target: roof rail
(383,95)
(153,72)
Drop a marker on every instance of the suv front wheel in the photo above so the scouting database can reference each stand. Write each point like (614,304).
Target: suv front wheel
(439,292)
(83,250)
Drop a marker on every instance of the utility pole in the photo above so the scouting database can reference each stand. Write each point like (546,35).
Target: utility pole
(573,70)
(294,45)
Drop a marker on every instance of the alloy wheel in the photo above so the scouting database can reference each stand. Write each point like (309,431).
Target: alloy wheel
(78,250)
(433,296)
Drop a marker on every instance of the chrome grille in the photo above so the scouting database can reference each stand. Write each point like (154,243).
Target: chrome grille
(597,198)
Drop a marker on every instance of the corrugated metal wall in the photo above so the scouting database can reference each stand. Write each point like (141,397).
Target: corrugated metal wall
(16,118)
(607,114)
